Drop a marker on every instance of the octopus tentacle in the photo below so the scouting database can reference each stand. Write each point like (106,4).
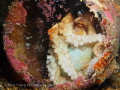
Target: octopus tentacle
(73,53)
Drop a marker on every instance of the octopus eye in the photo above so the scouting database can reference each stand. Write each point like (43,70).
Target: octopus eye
(80,24)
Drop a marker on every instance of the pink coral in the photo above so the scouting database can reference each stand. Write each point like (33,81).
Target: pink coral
(52,9)
(48,11)
(109,15)
(20,67)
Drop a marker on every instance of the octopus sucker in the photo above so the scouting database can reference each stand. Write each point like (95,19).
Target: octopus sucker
(72,44)
(80,48)
(99,49)
(75,51)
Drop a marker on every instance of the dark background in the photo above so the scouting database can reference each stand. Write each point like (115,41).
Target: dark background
(4,65)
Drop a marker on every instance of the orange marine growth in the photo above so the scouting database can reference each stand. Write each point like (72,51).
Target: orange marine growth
(78,83)
(102,62)
(17,13)
(104,21)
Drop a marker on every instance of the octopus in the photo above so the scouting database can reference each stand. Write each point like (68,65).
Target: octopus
(74,48)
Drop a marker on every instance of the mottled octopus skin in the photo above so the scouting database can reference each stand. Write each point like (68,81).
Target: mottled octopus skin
(79,56)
